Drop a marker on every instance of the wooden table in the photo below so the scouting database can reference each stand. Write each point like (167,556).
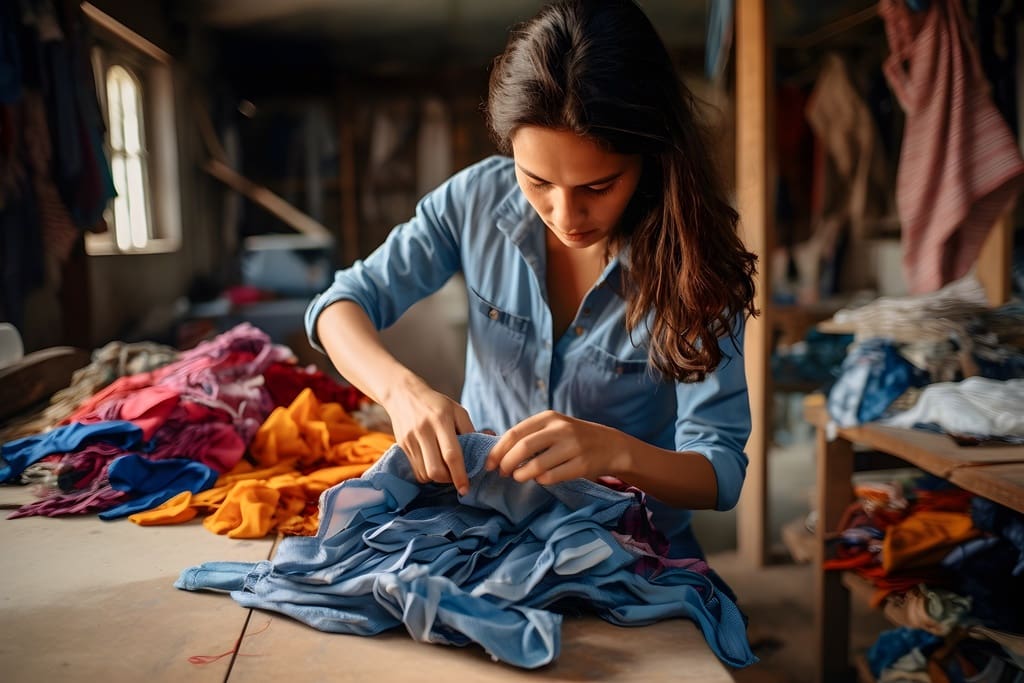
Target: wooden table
(996,473)
(87,600)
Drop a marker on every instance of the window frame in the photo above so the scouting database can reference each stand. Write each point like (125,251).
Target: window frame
(115,45)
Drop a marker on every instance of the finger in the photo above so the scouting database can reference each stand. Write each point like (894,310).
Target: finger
(513,436)
(500,449)
(542,462)
(433,462)
(524,450)
(412,453)
(455,462)
(463,425)
(564,471)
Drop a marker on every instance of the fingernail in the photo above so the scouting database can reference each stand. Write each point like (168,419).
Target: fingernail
(464,490)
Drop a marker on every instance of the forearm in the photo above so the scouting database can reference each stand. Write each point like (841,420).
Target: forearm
(679,479)
(354,347)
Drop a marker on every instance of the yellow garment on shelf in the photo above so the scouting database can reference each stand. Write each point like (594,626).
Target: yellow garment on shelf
(300,452)
(924,538)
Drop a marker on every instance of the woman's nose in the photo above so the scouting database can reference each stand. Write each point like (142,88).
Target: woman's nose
(565,211)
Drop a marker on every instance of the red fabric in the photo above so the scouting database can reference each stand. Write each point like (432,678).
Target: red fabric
(959,163)
(285,381)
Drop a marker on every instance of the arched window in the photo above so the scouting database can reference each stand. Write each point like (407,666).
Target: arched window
(128,162)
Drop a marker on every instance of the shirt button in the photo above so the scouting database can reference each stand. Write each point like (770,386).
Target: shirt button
(579,330)
(493,314)
(586,311)
(540,384)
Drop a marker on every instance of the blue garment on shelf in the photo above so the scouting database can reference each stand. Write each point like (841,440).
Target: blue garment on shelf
(872,376)
(894,643)
(153,482)
(20,453)
(476,568)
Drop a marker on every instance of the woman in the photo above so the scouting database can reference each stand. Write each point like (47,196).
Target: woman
(607,285)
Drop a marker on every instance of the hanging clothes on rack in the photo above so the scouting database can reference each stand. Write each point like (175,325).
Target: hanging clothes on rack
(960,167)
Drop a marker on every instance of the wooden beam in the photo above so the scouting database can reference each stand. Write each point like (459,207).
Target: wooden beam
(267,199)
(130,37)
(754,196)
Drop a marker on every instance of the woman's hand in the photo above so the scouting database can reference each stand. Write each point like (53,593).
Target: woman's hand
(550,447)
(426,424)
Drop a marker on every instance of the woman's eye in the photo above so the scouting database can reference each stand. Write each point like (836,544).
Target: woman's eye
(540,186)
(599,189)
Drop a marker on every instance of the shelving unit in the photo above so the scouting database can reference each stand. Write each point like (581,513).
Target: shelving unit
(994,473)
(755,193)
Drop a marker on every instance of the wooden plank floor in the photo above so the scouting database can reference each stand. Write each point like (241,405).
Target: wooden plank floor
(86,600)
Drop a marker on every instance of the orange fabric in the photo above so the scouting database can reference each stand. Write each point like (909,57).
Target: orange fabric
(175,511)
(924,538)
(307,430)
(247,512)
(300,452)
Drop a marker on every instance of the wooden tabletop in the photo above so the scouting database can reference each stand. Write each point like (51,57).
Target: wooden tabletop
(995,472)
(88,600)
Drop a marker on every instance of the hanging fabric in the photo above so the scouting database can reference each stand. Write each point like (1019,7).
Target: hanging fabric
(960,167)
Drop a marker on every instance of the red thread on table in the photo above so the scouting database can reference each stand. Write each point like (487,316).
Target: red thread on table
(210,659)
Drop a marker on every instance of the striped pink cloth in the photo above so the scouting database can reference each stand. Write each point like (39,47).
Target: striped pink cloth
(959,167)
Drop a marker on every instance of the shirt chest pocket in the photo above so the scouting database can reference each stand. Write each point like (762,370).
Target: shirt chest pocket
(498,336)
(612,390)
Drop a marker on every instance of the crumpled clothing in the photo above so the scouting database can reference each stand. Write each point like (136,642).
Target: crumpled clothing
(302,451)
(476,568)
(151,482)
(19,454)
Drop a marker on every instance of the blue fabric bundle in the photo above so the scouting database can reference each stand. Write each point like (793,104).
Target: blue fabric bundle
(477,568)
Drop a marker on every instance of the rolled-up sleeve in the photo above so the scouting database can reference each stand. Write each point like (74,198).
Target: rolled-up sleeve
(416,259)
(713,419)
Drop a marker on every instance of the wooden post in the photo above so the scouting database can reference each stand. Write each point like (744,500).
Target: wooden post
(996,258)
(755,201)
(349,246)
(831,597)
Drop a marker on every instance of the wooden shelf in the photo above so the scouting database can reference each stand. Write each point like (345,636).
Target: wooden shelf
(996,473)
(798,541)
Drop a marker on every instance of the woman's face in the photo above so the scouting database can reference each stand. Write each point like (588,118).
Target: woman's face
(577,187)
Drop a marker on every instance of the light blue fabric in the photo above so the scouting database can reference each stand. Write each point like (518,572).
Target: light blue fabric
(480,223)
(478,568)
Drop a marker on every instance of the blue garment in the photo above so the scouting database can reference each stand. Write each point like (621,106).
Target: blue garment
(895,643)
(873,375)
(477,568)
(20,453)
(153,482)
(480,223)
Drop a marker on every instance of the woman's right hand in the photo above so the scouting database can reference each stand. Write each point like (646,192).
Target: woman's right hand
(426,424)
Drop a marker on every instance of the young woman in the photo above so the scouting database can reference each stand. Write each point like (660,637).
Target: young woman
(608,288)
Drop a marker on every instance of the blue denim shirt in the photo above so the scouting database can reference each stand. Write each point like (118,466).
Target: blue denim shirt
(480,223)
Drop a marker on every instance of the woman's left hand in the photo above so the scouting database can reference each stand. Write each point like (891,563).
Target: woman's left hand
(550,447)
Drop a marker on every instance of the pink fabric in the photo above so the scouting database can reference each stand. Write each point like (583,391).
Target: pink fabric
(206,406)
(960,167)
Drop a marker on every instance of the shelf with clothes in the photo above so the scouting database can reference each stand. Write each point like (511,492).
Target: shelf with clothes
(992,472)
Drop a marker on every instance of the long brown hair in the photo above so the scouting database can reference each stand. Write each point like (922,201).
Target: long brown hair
(599,69)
